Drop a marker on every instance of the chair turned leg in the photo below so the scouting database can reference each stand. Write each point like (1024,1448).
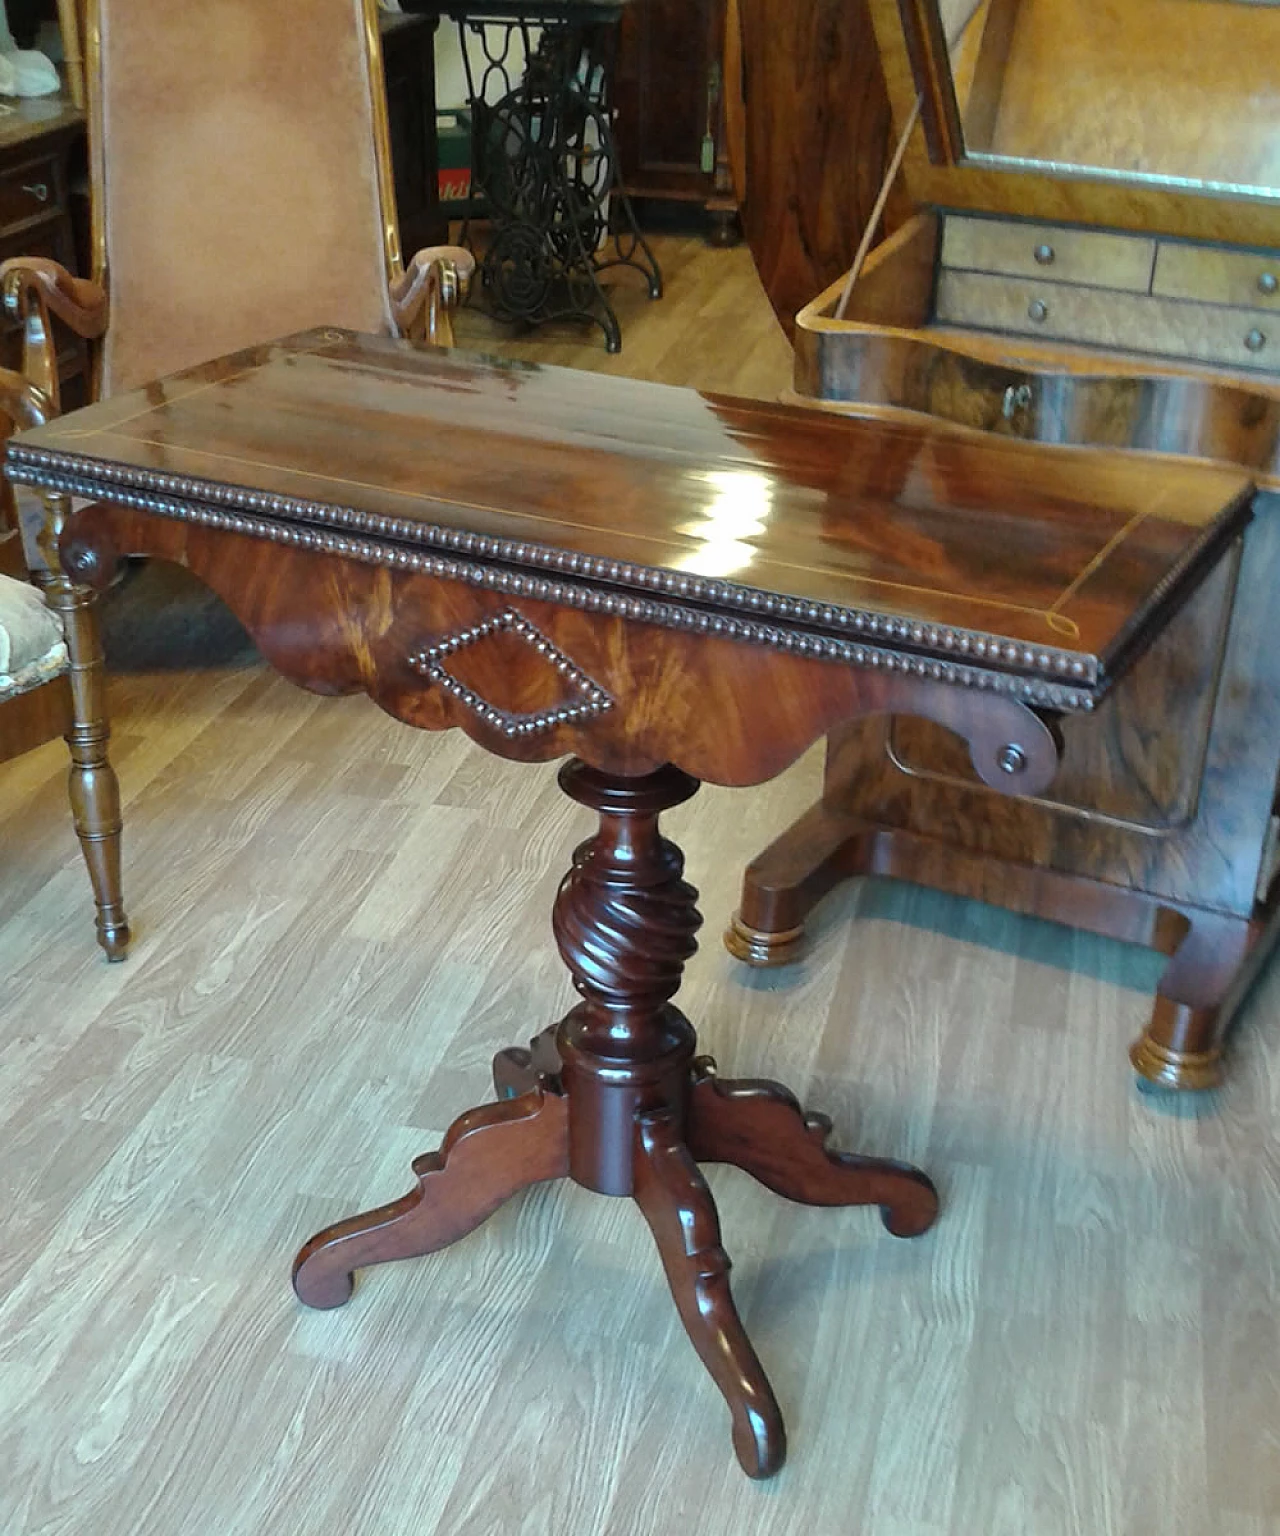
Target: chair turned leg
(678,1206)
(759,1127)
(488,1155)
(95,791)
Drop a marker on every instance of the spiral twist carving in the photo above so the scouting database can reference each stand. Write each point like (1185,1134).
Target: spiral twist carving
(625,935)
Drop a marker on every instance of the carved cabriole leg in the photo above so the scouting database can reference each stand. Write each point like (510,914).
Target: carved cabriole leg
(488,1155)
(682,1217)
(95,791)
(759,1127)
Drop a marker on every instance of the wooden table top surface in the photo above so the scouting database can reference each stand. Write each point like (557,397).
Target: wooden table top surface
(1056,562)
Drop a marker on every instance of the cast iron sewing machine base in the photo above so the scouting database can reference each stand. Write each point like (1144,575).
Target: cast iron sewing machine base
(615,1099)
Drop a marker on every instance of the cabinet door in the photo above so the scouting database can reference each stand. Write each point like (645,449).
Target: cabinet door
(667,91)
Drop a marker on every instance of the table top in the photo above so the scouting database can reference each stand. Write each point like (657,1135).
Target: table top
(1051,563)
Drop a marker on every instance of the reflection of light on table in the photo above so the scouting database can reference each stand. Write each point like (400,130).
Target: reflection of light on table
(736,513)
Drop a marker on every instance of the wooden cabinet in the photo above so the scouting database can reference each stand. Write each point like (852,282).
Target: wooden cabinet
(1093,261)
(669,90)
(408,54)
(39,139)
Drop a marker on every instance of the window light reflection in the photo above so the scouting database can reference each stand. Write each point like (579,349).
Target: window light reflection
(736,513)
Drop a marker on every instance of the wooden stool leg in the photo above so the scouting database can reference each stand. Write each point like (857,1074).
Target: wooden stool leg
(758,1126)
(488,1155)
(678,1206)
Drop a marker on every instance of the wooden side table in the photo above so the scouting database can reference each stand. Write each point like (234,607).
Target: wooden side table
(663,587)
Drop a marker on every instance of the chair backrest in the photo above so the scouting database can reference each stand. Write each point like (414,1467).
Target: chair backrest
(241,178)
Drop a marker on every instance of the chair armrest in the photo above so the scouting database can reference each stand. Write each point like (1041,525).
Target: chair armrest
(24,403)
(433,284)
(24,540)
(31,287)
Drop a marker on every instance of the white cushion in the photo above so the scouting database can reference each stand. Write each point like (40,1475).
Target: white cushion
(32,649)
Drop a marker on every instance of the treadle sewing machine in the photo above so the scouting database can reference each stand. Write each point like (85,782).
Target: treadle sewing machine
(1094,259)
(663,587)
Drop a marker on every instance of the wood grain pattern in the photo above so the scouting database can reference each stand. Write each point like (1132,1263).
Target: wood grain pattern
(937,176)
(1247,278)
(818,138)
(1153,88)
(1051,252)
(1215,334)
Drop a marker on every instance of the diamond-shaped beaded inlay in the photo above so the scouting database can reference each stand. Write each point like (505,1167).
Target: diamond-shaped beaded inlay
(587,699)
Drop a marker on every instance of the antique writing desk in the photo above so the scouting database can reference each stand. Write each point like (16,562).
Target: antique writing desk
(1092,257)
(664,587)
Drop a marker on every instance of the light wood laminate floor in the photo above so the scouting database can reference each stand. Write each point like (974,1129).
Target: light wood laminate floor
(339,920)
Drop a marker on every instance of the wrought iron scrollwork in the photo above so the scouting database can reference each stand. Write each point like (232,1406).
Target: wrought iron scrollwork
(545,169)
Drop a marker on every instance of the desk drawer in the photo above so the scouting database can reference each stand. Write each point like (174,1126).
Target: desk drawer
(28,191)
(1245,278)
(1049,251)
(1210,333)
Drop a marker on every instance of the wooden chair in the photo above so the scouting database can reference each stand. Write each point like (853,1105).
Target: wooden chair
(240,189)
(51,685)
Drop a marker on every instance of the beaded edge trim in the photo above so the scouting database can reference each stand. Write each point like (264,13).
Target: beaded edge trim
(591,698)
(28,467)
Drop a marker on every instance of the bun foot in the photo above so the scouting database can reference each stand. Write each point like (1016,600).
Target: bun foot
(762,949)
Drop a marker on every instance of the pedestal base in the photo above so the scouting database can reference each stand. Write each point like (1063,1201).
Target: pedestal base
(492,1152)
(615,1099)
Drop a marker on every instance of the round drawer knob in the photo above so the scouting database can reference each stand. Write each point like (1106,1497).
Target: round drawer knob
(1255,340)
(1037,310)
(1044,255)
(1267,282)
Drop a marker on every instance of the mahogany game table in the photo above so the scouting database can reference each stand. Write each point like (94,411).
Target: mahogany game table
(662,587)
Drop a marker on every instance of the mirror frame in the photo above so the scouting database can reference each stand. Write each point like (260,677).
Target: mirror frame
(938,174)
